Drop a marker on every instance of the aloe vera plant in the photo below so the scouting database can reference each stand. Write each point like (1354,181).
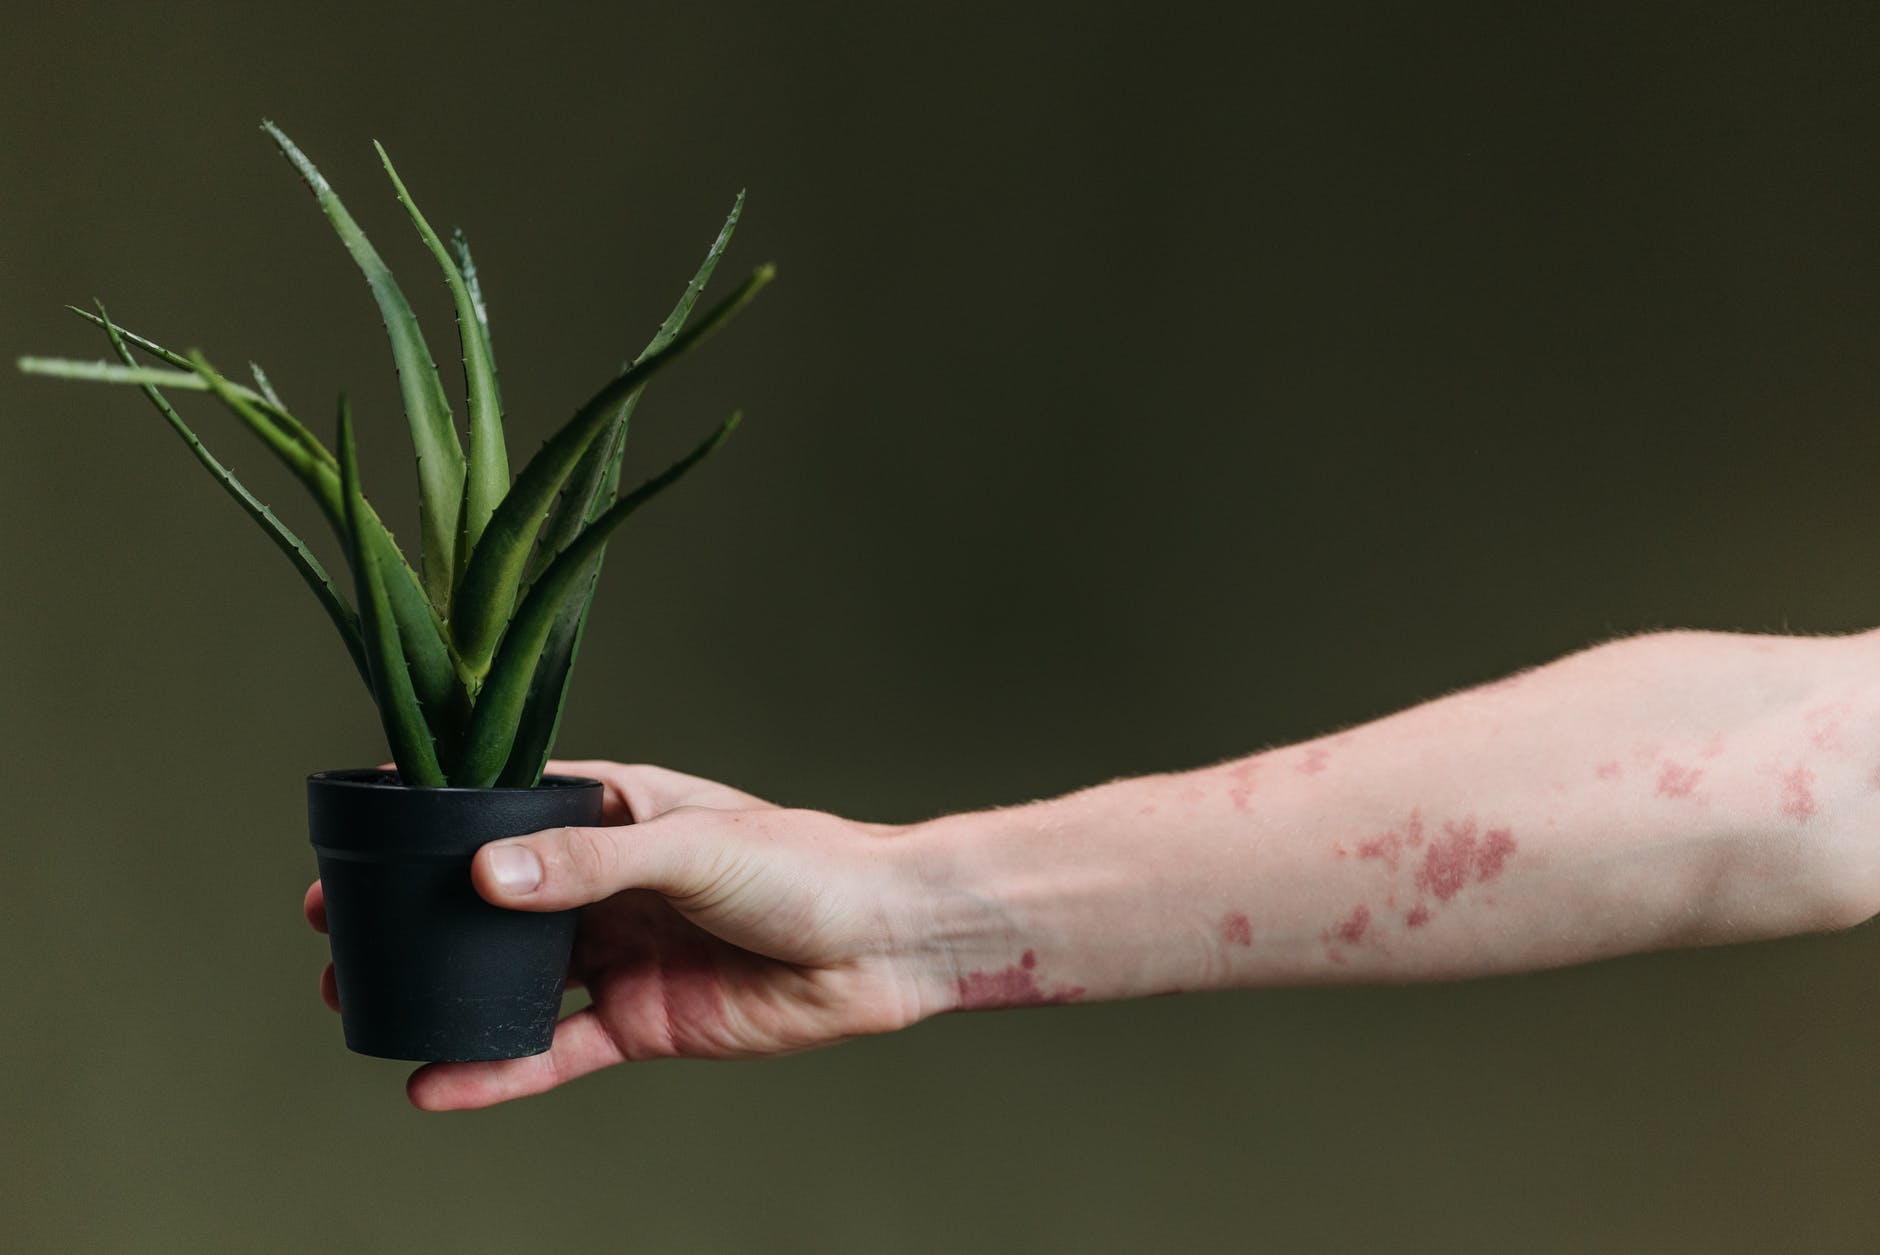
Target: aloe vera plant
(467,654)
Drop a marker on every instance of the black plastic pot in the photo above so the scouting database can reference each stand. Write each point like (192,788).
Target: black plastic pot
(426,968)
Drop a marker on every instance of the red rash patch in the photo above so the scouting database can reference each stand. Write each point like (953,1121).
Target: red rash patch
(1417,918)
(1237,929)
(1608,770)
(1340,851)
(1713,748)
(1496,848)
(1315,761)
(1676,781)
(1450,863)
(1644,754)
(1386,847)
(1824,724)
(1389,847)
(1446,864)
(1015,986)
(1798,794)
(1351,931)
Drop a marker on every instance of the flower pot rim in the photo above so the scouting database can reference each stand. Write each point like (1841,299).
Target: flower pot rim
(378,778)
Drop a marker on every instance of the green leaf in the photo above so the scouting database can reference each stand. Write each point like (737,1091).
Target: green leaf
(487,475)
(422,634)
(265,400)
(105,372)
(321,480)
(499,706)
(306,565)
(548,686)
(436,670)
(587,494)
(689,298)
(440,454)
(540,720)
(592,484)
(489,589)
(399,710)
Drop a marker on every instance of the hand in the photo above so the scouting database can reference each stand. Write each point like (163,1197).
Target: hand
(715,926)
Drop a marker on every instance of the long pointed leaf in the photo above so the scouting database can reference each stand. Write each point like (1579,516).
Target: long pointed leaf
(440,454)
(265,398)
(321,480)
(499,705)
(689,298)
(421,632)
(540,721)
(489,588)
(421,629)
(487,475)
(309,568)
(589,491)
(405,729)
(105,372)
(592,484)
(585,485)
(548,686)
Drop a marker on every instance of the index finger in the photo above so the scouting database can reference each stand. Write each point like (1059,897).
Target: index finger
(640,791)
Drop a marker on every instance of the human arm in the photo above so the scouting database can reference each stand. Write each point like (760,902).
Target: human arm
(1676,789)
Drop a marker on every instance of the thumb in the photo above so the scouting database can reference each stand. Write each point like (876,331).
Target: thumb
(560,868)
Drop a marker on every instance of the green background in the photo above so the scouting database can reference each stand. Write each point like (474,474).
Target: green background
(1142,385)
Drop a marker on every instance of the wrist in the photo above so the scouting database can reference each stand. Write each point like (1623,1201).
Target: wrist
(969,944)
(1053,902)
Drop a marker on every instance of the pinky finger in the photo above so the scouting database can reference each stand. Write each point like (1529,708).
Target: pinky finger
(329,988)
(582,1045)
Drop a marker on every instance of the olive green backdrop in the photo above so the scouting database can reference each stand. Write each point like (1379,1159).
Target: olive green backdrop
(1142,385)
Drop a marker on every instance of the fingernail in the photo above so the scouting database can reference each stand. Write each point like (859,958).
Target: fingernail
(515,868)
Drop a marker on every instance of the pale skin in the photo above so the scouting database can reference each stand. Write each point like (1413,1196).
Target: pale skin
(1678,789)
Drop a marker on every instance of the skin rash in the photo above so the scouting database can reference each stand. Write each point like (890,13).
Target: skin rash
(1478,836)
(1432,870)
(1015,985)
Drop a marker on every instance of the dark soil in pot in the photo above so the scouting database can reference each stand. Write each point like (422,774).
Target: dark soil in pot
(426,969)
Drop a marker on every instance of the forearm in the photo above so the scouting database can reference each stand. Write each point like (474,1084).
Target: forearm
(1679,789)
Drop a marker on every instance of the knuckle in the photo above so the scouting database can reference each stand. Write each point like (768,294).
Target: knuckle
(590,855)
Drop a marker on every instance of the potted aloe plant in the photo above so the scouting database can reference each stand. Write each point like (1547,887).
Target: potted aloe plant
(466,653)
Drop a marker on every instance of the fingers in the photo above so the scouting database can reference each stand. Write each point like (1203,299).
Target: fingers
(639,791)
(561,868)
(582,1045)
(314,905)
